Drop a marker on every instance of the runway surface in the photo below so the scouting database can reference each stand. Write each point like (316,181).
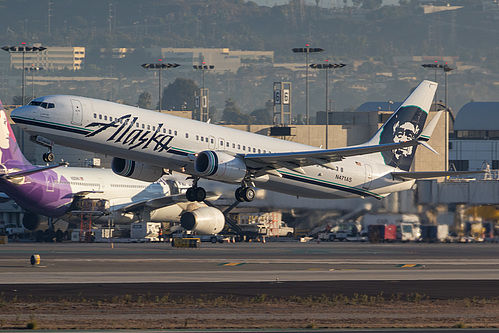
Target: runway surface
(440,271)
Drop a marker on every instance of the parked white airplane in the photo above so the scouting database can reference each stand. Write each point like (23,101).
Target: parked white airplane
(146,143)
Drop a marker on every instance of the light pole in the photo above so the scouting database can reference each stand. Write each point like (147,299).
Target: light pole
(159,66)
(307,50)
(435,66)
(327,66)
(23,49)
(203,102)
(446,68)
(32,69)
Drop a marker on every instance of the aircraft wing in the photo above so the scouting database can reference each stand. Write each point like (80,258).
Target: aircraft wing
(85,193)
(163,201)
(28,172)
(432,174)
(296,160)
(4,197)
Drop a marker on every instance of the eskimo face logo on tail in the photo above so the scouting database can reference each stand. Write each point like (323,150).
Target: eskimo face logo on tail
(125,131)
(405,125)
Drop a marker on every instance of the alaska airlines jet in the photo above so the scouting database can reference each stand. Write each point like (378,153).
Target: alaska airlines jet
(146,142)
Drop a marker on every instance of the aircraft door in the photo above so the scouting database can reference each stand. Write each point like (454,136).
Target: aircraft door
(221,144)
(369,176)
(211,142)
(77,112)
(50,183)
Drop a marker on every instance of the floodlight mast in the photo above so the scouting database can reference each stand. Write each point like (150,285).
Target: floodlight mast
(307,49)
(23,49)
(159,66)
(327,66)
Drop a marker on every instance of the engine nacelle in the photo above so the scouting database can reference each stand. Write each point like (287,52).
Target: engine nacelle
(31,221)
(136,170)
(220,166)
(204,221)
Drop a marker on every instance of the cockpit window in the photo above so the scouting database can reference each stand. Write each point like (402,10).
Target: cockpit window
(44,105)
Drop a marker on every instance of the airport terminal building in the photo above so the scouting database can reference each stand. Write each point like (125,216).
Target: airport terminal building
(475,140)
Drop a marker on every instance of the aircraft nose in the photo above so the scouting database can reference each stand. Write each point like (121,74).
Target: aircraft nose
(20,112)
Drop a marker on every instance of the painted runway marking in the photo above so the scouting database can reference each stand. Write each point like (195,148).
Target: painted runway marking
(232,264)
(408,265)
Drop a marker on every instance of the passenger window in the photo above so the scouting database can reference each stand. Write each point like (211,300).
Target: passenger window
(202,139)
(154,128)
(169,131)
(258,151)
(175,133)
(100,116)
(137,124)
(110,118)
(105,117)
(95,115)
(197,137)
(244,147)
(233,146)
(211,140)
(227,145)
(254,150)
(238,146)
(164,130)
(143,126)
(186,135)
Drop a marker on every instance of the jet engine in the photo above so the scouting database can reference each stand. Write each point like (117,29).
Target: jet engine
(204,221)
(31,221)
(136,170)
(218,165)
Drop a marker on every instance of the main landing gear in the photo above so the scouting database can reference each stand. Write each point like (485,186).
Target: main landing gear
(243,193)
(195,193)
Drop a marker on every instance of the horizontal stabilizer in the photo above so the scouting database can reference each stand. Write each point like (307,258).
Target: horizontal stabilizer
(432,174)
(28,172)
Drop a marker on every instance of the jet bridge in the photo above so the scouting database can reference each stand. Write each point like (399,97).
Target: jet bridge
(458,191)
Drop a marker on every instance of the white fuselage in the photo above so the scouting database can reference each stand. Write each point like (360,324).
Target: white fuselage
(171,142)
(118,192)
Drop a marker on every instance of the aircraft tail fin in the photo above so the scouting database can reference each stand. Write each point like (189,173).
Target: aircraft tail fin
(406,124)
(9,149)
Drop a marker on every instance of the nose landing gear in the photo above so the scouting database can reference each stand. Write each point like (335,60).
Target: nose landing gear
(48,156)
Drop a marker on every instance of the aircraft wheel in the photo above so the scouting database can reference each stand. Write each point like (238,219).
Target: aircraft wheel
(189,195)
(199,194)
(239,196)
(48,157)
(248,194)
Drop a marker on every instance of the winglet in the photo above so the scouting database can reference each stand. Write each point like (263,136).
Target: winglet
(428,130)
(425,135)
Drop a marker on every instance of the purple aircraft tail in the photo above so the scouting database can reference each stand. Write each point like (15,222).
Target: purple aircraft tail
(10,153)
